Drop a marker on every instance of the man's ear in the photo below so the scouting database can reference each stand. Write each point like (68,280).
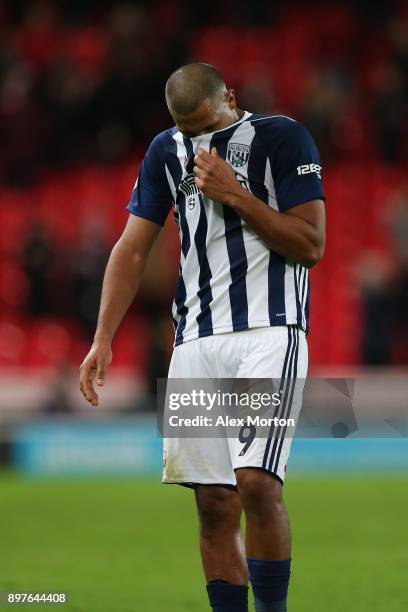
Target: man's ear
(230,97)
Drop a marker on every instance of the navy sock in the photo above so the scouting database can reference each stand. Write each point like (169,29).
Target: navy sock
(226,597)
(270,581)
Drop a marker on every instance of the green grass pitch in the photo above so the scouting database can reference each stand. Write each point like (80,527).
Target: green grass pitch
(132,546)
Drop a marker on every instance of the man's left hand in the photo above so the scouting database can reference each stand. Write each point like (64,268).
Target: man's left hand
(214,176)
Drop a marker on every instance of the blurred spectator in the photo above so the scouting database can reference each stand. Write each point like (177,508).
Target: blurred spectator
(38,259)
(385,293)
(258,92)
(60,390)
(376,343)
(391,111)
(90,260)
(324,100)
(399,232)
(22,125)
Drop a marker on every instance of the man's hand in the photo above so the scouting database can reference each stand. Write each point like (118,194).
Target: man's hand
(94,367)
(214,176)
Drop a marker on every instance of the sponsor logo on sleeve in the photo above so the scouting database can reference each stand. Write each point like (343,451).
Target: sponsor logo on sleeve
(309,169)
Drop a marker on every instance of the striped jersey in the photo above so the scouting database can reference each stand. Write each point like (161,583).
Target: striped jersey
(229,279)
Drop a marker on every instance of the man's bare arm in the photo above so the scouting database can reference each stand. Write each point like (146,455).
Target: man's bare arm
(298,233)
(122,278)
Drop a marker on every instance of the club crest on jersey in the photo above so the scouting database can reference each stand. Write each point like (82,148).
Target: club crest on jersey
(238,154)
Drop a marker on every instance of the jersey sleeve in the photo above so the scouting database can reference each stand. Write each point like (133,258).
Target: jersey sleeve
(151,197)
(296,168)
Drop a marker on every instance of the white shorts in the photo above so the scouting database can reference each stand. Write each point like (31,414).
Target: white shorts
(271,352)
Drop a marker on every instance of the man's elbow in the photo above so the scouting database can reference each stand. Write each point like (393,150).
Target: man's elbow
(128,252)
(313,256)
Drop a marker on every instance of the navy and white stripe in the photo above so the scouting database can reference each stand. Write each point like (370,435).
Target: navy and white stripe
(273,448)
(229,279)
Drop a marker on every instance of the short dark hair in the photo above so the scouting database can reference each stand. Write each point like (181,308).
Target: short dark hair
(189,85)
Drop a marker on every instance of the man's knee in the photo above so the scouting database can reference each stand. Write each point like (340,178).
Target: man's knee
(218,508)
(260,492)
